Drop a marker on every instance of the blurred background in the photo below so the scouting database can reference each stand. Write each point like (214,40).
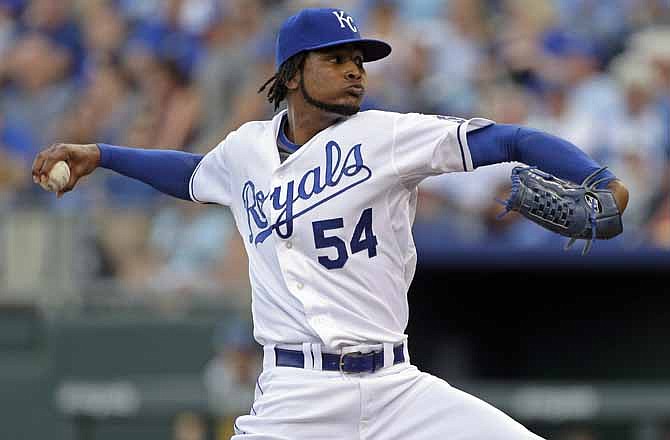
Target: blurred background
(126,314)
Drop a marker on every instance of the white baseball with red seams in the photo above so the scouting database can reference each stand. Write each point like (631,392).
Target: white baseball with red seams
(58,177)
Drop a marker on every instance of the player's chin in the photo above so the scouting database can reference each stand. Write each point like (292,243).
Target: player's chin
(350,104)
(342,105)
(347,110)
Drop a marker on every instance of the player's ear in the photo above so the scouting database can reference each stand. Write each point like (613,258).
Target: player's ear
(294,83)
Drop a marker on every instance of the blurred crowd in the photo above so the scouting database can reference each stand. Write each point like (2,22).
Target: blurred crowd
(182,73)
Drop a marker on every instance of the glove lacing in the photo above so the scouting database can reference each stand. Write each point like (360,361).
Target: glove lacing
(593,213)
(516,184)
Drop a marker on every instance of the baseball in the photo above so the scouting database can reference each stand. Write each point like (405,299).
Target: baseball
(59,176)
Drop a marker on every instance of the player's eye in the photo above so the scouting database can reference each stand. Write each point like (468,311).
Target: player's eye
(337,59)
(359,61)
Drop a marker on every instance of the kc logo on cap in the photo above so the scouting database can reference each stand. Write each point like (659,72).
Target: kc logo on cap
(345,19)
(318,28)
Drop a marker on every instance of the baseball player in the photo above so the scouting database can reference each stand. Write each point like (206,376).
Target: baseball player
(324,197)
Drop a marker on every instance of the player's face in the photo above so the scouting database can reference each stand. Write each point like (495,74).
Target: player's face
(334,80)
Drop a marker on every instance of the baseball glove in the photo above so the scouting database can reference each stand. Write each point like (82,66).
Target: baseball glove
(575,211)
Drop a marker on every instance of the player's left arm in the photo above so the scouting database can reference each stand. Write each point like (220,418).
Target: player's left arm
(499,143)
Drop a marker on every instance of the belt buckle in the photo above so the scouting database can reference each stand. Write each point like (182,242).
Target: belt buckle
(354,354)
(340,364)
(342,355)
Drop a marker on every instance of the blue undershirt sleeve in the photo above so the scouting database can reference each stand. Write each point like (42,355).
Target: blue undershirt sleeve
(166,170)
(513,143)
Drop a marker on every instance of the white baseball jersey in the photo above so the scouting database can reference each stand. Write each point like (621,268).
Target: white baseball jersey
(328,232)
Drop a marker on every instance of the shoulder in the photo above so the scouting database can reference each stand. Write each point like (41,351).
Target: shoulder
(403,120)
(372,119)
(410,116)
(368,115)
(255,129)
(252,128)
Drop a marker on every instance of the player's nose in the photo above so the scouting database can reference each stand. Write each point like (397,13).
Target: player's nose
(353,72)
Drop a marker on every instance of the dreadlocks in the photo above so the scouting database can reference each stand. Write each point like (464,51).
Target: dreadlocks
(278,90)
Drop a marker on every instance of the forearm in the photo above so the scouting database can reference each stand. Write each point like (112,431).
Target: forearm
(511,143)
(166,170)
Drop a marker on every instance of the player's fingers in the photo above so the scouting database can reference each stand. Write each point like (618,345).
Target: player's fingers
(53,154)
(37,165)
(74,178)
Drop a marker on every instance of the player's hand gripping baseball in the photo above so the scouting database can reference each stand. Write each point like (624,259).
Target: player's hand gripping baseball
(81,159)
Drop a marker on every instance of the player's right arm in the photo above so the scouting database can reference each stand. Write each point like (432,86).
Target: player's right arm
(168,171)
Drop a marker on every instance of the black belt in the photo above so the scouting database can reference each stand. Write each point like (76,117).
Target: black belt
(347,363)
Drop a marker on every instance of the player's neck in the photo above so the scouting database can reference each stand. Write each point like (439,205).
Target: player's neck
(304,123)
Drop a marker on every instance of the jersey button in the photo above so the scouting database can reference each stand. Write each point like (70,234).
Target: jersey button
(289,245)
(300,285)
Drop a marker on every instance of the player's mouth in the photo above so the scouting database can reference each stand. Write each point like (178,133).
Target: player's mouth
(356,90)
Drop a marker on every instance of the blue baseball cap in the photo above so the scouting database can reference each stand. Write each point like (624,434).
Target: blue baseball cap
(318,28)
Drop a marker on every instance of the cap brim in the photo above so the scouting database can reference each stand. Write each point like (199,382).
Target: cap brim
(373,50)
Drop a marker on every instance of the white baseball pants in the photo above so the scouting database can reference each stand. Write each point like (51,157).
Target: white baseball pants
(396,402)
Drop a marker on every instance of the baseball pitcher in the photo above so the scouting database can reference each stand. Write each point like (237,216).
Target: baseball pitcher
(324,197)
